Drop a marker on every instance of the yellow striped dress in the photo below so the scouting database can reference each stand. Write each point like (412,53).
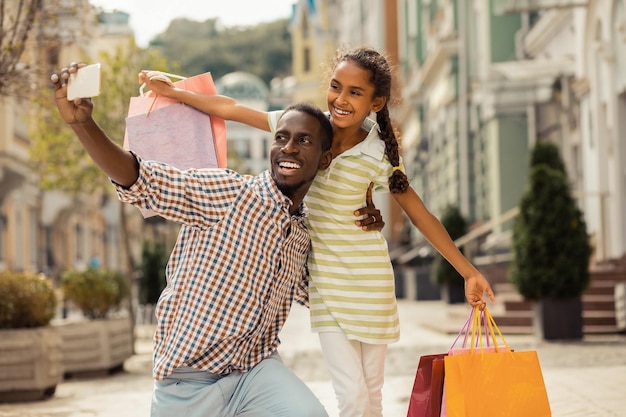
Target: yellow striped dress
(351,286)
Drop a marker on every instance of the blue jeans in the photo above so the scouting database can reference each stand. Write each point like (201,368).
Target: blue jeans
(269,389)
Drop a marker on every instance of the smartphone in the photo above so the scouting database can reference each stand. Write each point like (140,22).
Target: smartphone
(84,83)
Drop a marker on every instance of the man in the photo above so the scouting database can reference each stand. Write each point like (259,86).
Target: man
(238,264)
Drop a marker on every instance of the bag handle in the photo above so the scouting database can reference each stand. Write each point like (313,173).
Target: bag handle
(466,330)
(158,74)
(491,325)
(161,76)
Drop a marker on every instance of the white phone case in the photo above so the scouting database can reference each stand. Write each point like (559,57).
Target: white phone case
(84,83)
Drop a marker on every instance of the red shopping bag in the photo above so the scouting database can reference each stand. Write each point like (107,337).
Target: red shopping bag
(164,130)
(494,382)
(427,390)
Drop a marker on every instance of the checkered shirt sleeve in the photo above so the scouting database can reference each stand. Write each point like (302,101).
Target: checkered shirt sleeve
(238,263)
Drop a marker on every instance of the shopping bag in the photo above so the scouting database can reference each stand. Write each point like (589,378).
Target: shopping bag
(496,382)
(425,398)
(164,130)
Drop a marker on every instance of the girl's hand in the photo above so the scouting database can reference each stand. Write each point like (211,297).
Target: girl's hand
(374,220)
(475,288)
(73,112)
(156,81)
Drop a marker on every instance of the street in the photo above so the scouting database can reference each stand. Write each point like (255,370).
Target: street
(584,378)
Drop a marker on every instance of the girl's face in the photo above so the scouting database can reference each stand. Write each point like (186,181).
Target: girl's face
(351,95)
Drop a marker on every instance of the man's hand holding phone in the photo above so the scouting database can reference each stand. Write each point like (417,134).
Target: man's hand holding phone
(84,83)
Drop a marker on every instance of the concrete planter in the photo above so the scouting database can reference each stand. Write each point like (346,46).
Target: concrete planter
(30,363)
(96,346)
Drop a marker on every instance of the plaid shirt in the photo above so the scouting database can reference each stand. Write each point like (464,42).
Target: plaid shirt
(238,263)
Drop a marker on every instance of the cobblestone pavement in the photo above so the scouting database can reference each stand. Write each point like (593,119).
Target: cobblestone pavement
(586,378)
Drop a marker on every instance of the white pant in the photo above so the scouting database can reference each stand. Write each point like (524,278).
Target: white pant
(357,372)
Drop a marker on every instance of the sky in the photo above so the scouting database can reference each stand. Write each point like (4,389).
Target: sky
(151,17)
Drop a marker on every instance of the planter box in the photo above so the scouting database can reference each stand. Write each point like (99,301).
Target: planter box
(30,363)
(96,345)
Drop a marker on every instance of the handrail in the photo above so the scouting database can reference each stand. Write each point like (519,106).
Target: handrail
(487,227)
(466,238)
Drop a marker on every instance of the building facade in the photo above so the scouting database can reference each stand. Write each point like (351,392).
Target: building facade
(485,80)
(52,231)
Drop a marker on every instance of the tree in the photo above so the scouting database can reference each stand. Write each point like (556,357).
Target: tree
(62,162)
(551,248)
(16,21)
(25,25)
(263,50)
(153,263)
(443,272)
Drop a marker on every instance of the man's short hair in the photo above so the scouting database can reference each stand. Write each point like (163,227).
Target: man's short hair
(326,129)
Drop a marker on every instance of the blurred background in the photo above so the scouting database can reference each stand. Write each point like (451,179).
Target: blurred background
(480,82)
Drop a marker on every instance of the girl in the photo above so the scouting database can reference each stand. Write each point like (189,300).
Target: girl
(352,299)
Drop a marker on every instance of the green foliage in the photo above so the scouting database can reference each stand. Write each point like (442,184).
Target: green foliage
(551,248)
(443,272)
(95,291)
(153,262)
(61,160)
(26,300)
(263,50)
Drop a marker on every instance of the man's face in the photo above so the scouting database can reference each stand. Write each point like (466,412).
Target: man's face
(296,153)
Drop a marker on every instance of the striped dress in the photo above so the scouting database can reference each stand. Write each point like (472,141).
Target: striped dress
(351,287)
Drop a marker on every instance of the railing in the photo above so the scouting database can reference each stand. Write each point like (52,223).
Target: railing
(465,240)
(520,6)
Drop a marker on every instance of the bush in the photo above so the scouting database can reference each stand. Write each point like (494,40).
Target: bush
(26,300)
(551,248)
(443,272)
(153,263)
(95,291)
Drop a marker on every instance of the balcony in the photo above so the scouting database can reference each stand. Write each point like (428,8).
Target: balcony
(521,6)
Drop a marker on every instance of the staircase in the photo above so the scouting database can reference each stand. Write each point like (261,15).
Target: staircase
(514,315)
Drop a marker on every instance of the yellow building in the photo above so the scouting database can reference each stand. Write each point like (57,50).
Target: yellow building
(51,231)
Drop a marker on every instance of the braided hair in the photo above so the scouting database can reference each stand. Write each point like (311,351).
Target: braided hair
(381,78)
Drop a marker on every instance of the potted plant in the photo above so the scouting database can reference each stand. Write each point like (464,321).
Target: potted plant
(30,349)
(98,342)
(444,274)
(551,248)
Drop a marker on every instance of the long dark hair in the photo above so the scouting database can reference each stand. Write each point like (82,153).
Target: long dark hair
(381,78)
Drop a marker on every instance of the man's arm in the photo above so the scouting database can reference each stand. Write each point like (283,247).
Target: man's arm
(118,164)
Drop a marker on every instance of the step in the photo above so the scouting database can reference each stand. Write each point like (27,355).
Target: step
(600,288)
(514,319)
(504,288)
(618,276)
(599,318)
(600,329)
(507,330)
(517,305)
(598,303)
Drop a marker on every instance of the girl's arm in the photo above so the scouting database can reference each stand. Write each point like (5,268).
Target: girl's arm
(223,107)
(437,235)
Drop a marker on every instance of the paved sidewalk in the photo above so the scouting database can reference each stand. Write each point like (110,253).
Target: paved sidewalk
(585,378)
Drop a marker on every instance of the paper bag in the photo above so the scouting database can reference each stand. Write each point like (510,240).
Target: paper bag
(164,130)
(494,382)
(427,390)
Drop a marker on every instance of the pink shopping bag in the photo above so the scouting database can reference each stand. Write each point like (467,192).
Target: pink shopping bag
(164,130)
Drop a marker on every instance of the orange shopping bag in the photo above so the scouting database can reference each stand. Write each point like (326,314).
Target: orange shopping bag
(164,130)
(495,383)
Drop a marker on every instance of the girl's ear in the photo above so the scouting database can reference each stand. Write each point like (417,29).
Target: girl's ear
(378,103)
(325,160)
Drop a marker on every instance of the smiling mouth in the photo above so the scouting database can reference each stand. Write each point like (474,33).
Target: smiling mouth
(341,112)
(289,165)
